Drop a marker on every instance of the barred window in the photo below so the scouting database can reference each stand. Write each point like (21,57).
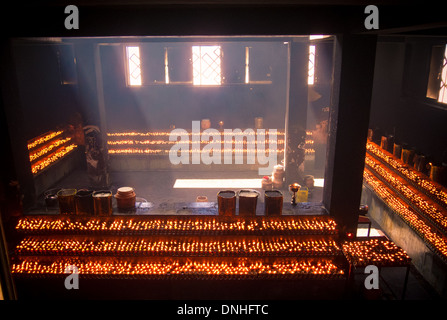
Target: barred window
(206,62)
(311,70)
(133,66)
(442,96)
(437,79)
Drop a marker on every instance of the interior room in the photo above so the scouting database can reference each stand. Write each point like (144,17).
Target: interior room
(270,162)
(138,121)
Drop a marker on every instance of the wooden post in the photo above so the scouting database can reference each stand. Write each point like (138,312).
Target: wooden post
(100,176)
(18,164)
(353,73)
(296,111)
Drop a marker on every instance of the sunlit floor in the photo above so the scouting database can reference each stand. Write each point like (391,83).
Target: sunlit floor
(363,232)
(227,183)
(217,183)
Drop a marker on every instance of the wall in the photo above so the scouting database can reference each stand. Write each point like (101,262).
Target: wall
(428,263)
(157,106)
(399,104)
(41,96)
(46,103)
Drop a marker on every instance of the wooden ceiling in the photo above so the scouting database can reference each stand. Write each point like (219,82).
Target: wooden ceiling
(220,17)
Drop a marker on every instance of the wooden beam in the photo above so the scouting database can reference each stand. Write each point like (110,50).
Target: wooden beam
(104,180)
(18,166)
(296,111)
(353,73)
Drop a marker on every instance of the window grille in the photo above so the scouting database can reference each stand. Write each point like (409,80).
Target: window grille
(206,65)
(133,66)
(442,97)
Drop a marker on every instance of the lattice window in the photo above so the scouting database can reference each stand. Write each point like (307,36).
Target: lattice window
(133,66)
(311,70)
(247,65)
(442,97)
(166,67)
(206,65)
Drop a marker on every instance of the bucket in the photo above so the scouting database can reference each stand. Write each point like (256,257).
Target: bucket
(51,198)
(102,203)
(66,198)
(273,201)
(422,164)
(84,202)
(387,143)
(419,162)
(302,194)
(226,203)
(278,176)
(248,200)
(438,173)
(370,134)
(384,142)
(376,135)
(390,143)
(407,156)
(397,150)
(125,198)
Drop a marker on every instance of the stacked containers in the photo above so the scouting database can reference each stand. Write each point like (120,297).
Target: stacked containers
(226,203)
(125,198)
(102,203)
(278,176)
(248,199)
(247,202)
(66,198)
(84,202)
(273,200)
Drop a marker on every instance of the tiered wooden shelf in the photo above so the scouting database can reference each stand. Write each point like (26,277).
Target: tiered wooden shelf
(419,201)
(176,247)
(47,149)
(191,257)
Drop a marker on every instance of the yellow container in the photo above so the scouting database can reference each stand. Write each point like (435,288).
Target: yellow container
(302,195)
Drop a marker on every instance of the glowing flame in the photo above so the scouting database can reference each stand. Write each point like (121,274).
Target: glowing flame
(37,141)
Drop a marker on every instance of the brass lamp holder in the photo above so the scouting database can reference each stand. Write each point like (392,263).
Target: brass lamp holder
(294,188)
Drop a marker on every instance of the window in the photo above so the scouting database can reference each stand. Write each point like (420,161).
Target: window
(258,62)
(442,97)
(67,64)
(437,80)
(311,70)
(133,66)
(206,65)
(247,64)
(166,67)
